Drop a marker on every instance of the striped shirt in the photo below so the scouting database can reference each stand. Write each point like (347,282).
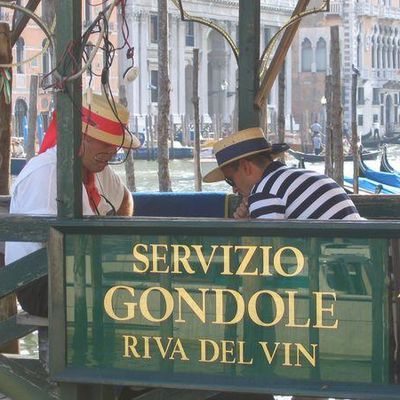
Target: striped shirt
(290,193)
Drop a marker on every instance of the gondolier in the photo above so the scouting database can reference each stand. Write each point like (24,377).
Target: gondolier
(272,190)
(103,193)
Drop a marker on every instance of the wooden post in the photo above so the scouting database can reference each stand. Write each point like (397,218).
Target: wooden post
(337,107)
(195,100)
(32,117)
(129,163)
(8,305)
(249,45)
(69,121)
(354,134)
(281,108)
(164,179)
(328,129)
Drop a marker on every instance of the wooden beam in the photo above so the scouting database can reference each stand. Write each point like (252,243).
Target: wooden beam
(279,56)
(69,103)
(249,54)
(5,112)
(23,271)
(22,21)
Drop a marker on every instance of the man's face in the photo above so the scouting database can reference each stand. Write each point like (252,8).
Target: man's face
(96,154)
(239,178)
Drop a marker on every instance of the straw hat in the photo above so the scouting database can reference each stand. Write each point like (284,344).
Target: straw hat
(240,145)
(100,121)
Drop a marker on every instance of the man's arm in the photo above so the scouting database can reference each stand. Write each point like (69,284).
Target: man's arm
(126,208)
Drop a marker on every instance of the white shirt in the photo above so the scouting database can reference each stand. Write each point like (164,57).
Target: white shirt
(35,192)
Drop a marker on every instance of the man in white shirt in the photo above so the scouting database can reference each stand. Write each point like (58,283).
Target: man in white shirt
(34,192)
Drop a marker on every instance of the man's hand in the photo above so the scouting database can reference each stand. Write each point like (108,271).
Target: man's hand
(126,207)
(242,212)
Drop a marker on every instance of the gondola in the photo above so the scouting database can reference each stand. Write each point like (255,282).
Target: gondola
(385,165)
(370,142)
(313,158)
(387,178)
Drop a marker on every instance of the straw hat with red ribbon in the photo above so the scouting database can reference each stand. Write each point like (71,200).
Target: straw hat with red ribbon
(100,120)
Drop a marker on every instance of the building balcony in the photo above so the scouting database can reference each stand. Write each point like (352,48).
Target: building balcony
(389,13)
(335,8)
(379,74)
(366,9)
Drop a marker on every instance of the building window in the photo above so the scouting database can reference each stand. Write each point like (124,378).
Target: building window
(360,95)
(153,28)
(306,56)
(320,55)
(154,86)
(88,12)
(267,36)
(360,120)
(396,115)
(382,98)
(375,96)
(190,33)
(375,118)
(20,54)
(382,115)
(396,98)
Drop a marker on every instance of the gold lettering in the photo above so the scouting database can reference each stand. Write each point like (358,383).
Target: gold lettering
(292,311)
(181,259)
(219,306)
(227,260)
(203,350)
(178,348)
(241,354)
(278,265)
(168,301)
(246,260)
(270,357)
(266,266)
(163,257)
(184,295)
(311,358)
(163,351)
(319,310)
(146,347)
(227,348)
(199,252)
(287,362)
(140,257)
(279,307)
(108,303)
(130,343)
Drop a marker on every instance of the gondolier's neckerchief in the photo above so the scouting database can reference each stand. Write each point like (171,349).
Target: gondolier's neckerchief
(89,181)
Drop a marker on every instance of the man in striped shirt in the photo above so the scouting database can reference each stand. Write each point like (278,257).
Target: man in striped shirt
(272,190)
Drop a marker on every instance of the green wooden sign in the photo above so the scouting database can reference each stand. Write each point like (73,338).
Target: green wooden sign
(232,308)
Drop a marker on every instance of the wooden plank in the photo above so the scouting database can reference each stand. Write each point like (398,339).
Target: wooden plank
(57,334)
(249,50)
(23,228)
(20,382)
(279,56)
(22,21)
(69,103)
(171,394)
(11,330)
(23,271)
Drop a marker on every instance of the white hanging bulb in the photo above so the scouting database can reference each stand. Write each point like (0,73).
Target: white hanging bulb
(131,74)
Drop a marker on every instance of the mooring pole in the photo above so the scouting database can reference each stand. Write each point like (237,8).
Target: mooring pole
(249,55)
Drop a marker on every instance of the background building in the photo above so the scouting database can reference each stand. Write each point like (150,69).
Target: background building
(370,42)
(217,69)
